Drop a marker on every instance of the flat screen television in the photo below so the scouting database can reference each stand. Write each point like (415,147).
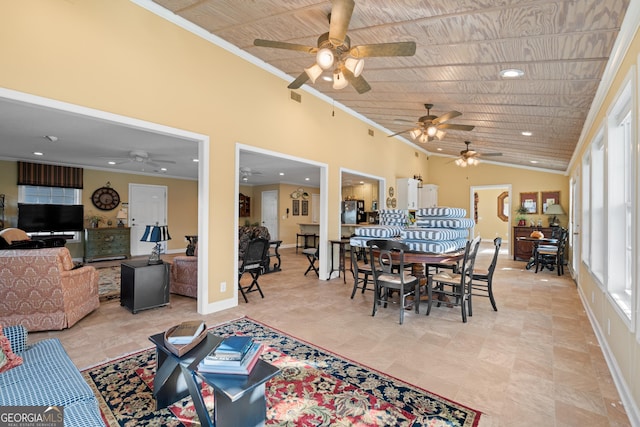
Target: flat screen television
(47,217)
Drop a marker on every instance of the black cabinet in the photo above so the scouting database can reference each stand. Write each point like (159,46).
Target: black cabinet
(144,286)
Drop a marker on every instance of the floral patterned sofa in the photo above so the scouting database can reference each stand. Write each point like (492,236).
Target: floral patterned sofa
(184,269)
(41,290)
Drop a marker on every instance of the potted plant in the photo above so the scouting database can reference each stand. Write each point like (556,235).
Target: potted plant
(94,220)
(521,212)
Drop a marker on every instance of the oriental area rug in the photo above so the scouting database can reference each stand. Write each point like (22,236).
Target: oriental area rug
(314,388)
(109,283)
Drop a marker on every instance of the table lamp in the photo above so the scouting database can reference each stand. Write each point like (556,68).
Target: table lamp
(156,234)
(122,215)
(554,210)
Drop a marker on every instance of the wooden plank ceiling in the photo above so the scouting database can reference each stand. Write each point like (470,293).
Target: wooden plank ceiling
(562,47)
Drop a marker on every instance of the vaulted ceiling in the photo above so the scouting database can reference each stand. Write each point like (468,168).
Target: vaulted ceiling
(562,46)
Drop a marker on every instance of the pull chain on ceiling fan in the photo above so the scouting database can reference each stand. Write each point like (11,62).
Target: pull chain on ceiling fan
(334,52)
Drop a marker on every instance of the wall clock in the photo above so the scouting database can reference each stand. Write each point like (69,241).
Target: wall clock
(105,198)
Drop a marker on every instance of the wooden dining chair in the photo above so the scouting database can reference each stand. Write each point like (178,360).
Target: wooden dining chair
(455,287)
(362,272)
(552,256)
(482,283)
(389,275)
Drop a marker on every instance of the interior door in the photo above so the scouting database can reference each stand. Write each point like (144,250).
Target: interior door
(147,206)
(269,212)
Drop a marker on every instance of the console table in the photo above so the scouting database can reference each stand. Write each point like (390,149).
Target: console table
(106,243)
(275,245)
(522,249)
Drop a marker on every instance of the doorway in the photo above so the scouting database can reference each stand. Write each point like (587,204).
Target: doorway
(147,206)
(491,209)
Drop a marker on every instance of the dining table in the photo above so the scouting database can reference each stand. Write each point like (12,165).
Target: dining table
(420,261)
(536,242)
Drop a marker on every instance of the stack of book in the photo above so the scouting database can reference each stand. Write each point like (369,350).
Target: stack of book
(234,355)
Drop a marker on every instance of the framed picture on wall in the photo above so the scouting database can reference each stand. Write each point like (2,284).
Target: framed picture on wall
(296,207)
(305,207)
(530,202)
(549,198)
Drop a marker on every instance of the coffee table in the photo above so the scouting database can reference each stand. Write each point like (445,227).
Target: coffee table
(239,400)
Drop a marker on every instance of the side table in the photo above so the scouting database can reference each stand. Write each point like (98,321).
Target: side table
(239,400)
(275,245)
(143,285)
(342,243)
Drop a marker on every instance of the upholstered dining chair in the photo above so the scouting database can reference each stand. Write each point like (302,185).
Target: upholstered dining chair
(252,262)
(389,275)
(456,287)
(361,270)
(482,283)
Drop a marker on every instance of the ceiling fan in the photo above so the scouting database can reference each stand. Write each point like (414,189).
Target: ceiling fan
(334,51)
(246,172)
(429,127)
(469,157)
(142,157)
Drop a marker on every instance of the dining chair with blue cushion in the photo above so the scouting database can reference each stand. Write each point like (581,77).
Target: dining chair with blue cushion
(389,275)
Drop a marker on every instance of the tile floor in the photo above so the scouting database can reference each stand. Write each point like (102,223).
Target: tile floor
(534,362)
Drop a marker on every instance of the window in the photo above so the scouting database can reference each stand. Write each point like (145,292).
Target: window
(586,208)
(54,195)
(620,196)
(597,222)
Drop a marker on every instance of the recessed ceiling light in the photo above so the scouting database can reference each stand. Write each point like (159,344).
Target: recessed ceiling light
(195,160)
(511,73)
(327,79)
(439,149)
(37,153)
(281,173)
(306,179)
(527,133)
(533,161)
(163,169)
(111,162)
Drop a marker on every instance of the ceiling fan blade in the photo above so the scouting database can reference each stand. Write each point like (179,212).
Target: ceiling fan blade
(284,45)
(359,83)
(402,131)
(163,161)
(302,79)
(490,154)
(447,116)
(383,49)
(341,12)
(456,127)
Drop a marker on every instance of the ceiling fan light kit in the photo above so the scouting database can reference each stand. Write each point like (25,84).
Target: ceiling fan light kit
(334,51)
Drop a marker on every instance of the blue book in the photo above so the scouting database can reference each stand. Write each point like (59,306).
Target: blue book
(234,368)
(234,346)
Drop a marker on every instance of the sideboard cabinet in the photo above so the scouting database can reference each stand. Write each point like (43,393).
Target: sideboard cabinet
(106,243)
(523,250)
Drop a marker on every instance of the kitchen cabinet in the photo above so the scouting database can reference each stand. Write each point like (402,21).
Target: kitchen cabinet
(407,193)
(428,196)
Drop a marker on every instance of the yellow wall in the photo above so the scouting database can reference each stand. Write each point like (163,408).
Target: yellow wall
(620,341)
(152,70)
(182,201)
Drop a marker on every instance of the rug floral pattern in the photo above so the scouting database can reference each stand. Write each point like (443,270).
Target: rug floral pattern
(109,283)
(314,388)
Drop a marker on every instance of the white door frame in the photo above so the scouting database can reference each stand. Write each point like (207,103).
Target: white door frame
(472,191)
(323,267)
